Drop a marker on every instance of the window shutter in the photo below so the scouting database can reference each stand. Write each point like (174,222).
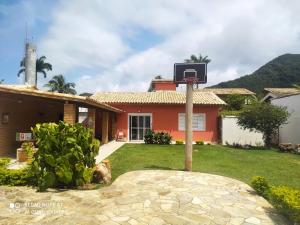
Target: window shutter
(181,121)
(198,123)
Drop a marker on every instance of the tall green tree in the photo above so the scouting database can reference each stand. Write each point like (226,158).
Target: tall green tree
(200,59)
(263,117)
(41,66)
(58,84)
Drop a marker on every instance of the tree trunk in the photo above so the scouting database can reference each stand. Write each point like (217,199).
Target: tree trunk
(268,139)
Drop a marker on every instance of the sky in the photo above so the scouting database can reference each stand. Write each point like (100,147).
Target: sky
(120,45)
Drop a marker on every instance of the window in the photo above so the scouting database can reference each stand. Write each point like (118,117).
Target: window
(199,121)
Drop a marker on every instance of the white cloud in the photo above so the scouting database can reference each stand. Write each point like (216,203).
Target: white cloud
(239,36)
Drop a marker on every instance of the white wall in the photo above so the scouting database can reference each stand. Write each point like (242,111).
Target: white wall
(231,132)
(290,132)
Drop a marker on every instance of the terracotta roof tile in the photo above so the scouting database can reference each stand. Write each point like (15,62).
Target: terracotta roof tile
(227,91)
(158,97)
(32,91)
(282,91)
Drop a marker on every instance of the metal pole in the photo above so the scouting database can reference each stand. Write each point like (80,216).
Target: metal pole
(188,127)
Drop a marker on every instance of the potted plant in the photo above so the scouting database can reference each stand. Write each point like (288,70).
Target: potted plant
(26,151)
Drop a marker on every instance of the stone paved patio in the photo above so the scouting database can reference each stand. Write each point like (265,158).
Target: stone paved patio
(142,197)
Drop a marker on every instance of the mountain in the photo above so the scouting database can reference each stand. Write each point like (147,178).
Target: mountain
(283,71)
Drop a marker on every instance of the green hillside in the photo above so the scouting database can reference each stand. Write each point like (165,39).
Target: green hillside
(283,71)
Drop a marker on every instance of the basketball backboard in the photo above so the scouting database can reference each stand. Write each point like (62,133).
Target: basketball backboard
(190,72)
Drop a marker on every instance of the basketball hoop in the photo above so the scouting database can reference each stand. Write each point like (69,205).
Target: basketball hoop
(187,73)
(190,80)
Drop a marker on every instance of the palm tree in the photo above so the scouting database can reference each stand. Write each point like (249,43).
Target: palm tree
(58,84)
(201,59)
(41,66)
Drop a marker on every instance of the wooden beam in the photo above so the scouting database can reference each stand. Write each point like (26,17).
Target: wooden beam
(105,119)
(113,125)
(92,119)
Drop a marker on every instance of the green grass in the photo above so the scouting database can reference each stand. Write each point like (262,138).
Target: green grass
(277,168)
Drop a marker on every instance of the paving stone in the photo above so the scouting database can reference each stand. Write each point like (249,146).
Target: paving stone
(196,201)
(148,197)
(147,203)
(120,218)
(133,222)
(156,221)
(253,220)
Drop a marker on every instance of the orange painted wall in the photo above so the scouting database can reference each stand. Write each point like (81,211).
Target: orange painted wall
(165,118)
(170,86)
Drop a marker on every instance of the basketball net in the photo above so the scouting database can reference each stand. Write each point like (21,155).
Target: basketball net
(190,80)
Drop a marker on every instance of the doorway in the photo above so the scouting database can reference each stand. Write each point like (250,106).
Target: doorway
(139,124)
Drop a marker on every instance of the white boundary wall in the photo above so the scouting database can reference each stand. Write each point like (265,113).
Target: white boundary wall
(231,133)
(290,132)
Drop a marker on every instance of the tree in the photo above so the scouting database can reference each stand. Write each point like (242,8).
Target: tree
(1,81)
(235,102)
(201,59)
(263,117)
(58,84)
(41,66)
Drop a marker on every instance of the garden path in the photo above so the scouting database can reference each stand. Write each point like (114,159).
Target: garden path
(107,149)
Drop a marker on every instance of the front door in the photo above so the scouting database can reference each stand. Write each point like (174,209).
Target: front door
(138,126)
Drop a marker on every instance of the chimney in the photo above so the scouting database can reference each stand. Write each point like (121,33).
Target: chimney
(30,65)
(162,85)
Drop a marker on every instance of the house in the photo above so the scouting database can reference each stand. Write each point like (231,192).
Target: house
(163,109)
(132,113)
(271,93)
(224,93)
(162,85)
(290,132)
(22,107)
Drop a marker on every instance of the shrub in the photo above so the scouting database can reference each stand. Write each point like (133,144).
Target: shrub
(260,185)
(4,162)
(165,138)
(161,138)
(149,137)
(179,142)
(65,157)
(14,177)
(156,138)
(287,201)
(200,142)
(263,117)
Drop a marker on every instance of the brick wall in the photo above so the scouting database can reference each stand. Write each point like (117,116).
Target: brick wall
(70,113)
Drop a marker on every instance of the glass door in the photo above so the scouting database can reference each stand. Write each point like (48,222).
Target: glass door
(138,126)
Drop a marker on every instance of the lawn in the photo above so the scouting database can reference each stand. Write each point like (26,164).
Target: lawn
(278,168)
